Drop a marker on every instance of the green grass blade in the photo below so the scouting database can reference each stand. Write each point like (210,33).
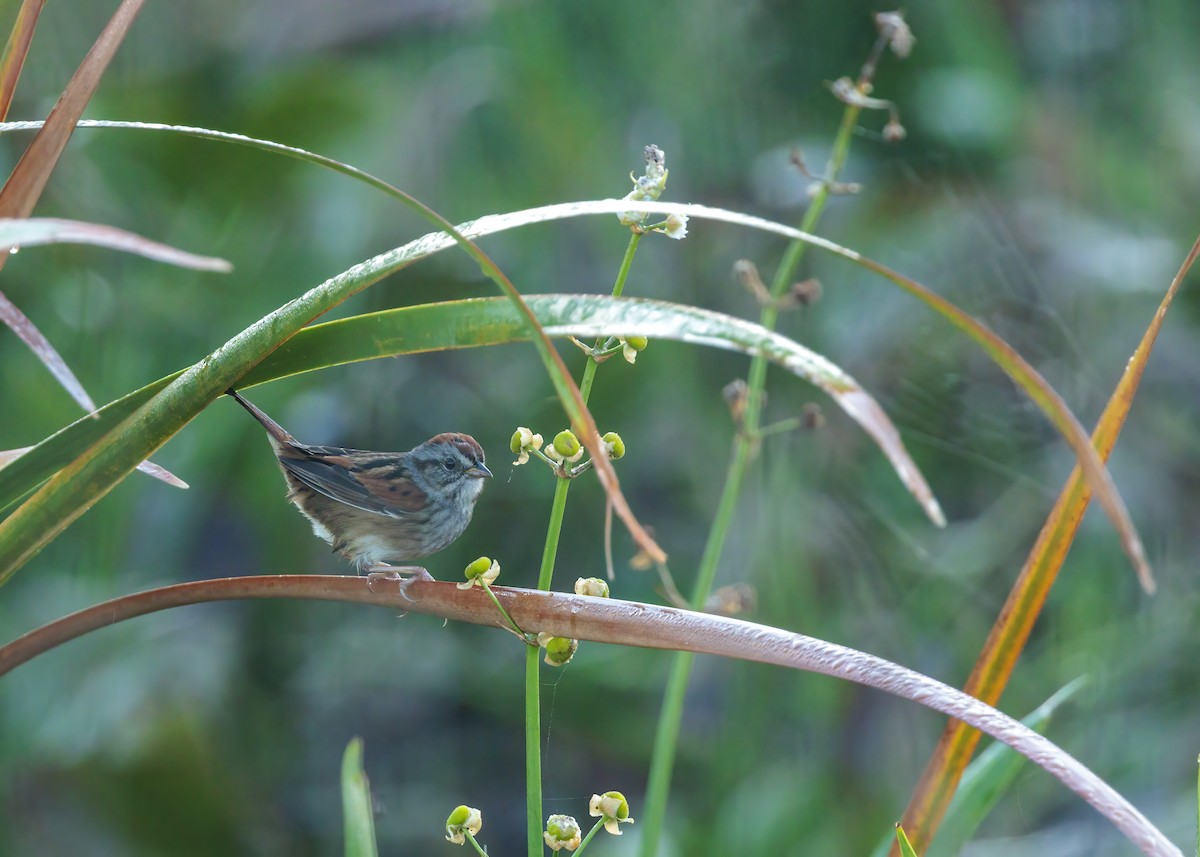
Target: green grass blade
(494,321)
(906,849)
(564,385)
(356,804)
(985,782)
(989,777)
(1016,367)
(57,504)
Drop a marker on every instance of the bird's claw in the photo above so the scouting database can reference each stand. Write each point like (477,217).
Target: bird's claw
(381,576)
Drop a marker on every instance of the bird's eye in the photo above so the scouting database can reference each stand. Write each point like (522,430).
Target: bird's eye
(449,463)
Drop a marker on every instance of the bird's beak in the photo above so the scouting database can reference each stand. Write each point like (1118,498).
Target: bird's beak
(479,471)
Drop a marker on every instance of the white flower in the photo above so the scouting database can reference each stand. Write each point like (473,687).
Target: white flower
(613,807)
(523,442)
(592,586)
(676,226)
(893,25)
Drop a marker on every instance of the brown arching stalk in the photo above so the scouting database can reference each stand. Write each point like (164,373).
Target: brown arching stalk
(622,623)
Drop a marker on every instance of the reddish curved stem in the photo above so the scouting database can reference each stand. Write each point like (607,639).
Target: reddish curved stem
(623,623)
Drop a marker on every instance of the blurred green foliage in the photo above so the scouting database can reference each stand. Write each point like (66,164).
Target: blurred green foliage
(1047,185)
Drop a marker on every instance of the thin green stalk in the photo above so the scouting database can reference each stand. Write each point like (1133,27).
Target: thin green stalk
(552,531)
(475,844)
(619,286)
(533,704)
(666,736)
(591,835)
(666,741)
(513,626)
(589,371)
(792,257)
(533,751)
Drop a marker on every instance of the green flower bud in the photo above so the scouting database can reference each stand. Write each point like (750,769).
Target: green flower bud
(593,586)
(559,650)
(483,571)
(566,444)
(463,820)
(478,567)
(616,446)
(524,440)
(562,831)
(631,345)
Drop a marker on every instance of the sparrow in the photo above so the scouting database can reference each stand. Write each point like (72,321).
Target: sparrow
(380,508)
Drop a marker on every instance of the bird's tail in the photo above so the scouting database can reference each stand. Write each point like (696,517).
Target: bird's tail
(275,430)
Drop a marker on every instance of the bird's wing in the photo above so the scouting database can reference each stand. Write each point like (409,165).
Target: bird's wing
(370,481)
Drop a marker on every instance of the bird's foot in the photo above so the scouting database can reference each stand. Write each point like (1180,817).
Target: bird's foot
(381,577)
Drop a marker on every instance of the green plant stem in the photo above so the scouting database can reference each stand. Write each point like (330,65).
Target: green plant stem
(783,425)
(533,703)
(507,616)
(591,834)
(475,844)
(557,507)
(533,751)
(666,741)
(589,371)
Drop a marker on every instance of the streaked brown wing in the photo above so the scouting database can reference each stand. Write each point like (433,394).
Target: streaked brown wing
(370,481)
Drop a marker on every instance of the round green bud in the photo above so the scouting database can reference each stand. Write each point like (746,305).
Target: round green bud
(566,444)
(462,821)
(478,567)
(517,443)
(560,650)
(622,812)
(637,343)
(562,831)
(616,446)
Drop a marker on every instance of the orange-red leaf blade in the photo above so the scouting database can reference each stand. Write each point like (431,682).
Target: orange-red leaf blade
(23,188)
(1011,630)
(15,51)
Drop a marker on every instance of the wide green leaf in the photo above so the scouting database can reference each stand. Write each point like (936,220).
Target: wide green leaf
(494,321)
(52,513)
(1015,366)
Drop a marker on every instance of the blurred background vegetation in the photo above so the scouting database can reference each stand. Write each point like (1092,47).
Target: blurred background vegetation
(1047,185)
